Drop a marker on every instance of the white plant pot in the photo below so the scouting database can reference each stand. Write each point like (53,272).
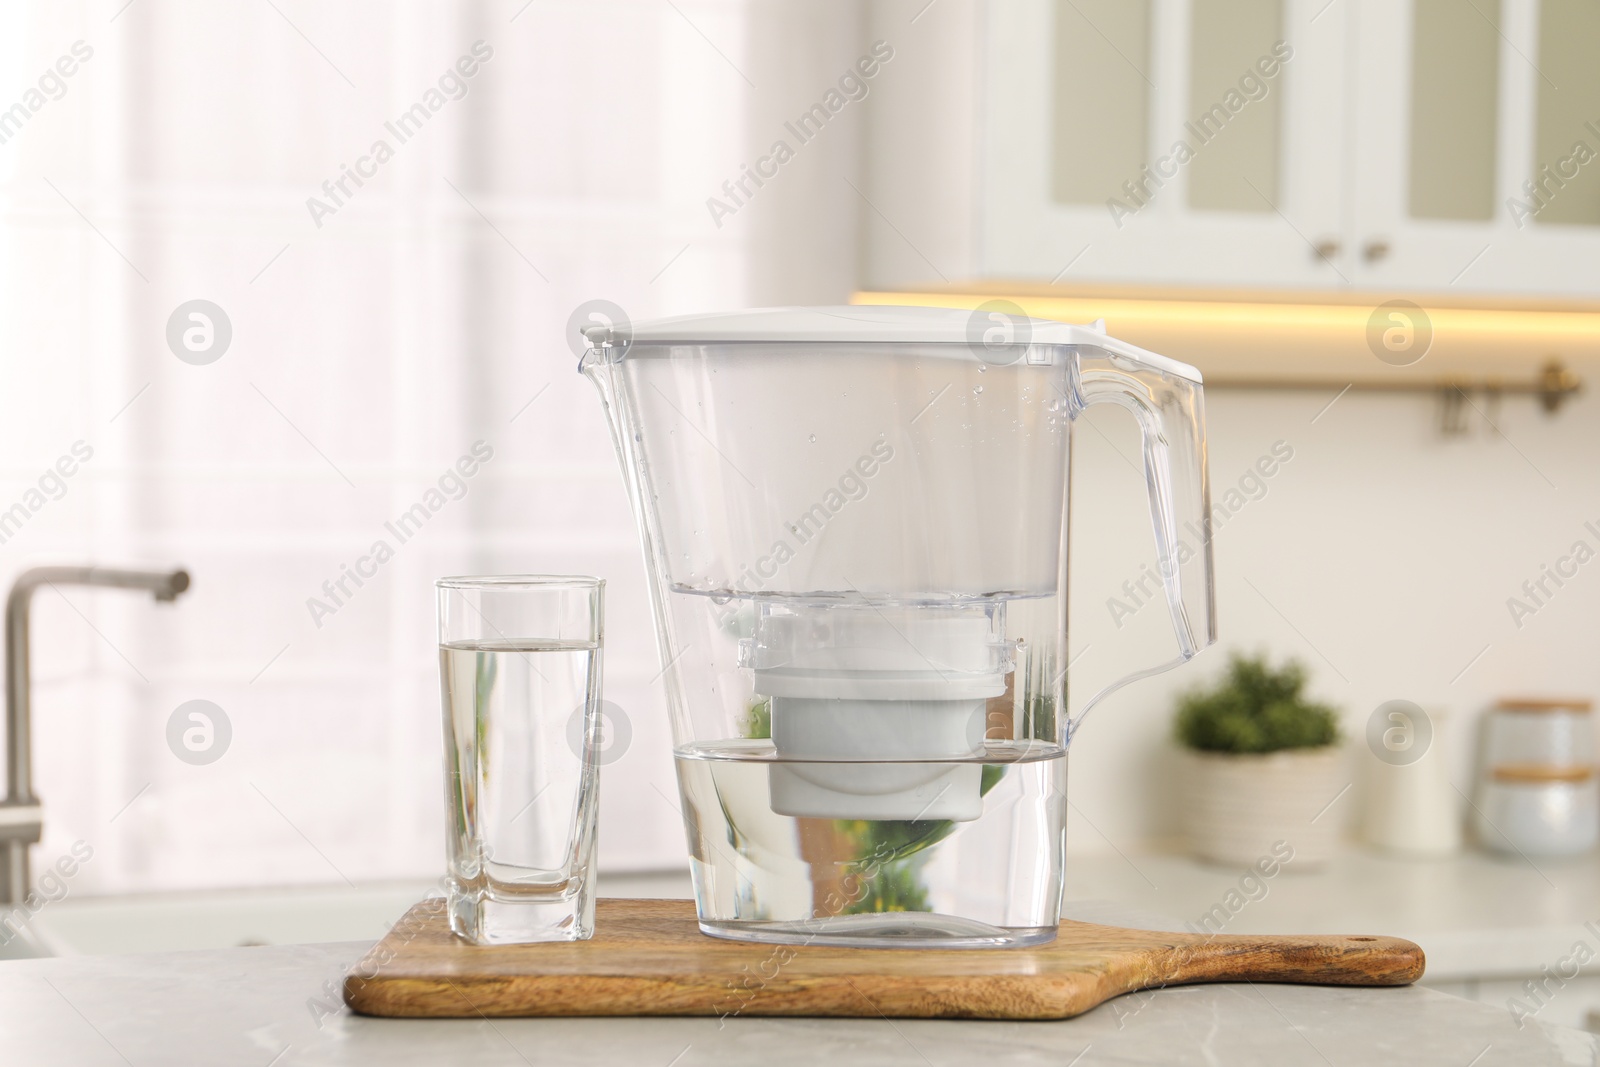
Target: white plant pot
(1238,807)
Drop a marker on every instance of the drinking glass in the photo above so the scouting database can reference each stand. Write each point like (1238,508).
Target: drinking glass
(519,673)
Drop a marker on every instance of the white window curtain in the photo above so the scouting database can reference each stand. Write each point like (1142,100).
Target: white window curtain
(200,151)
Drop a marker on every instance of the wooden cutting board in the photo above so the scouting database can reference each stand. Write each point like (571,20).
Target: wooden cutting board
(648,957)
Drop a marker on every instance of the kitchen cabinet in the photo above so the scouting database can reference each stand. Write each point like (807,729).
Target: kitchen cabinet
(1383,145)
(1477,154)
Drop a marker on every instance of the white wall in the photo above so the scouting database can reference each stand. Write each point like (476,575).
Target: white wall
(1381,556)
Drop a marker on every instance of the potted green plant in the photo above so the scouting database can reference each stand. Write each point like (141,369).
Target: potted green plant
(1264,766)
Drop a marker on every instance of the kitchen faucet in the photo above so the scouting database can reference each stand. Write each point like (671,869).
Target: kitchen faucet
(21,817)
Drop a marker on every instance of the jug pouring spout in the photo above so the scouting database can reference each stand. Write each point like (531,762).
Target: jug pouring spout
(598,333)
(600,346)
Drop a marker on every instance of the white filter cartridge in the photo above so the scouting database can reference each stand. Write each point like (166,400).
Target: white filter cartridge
(879,713)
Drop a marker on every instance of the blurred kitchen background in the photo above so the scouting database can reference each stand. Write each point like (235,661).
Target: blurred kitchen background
(1022,151)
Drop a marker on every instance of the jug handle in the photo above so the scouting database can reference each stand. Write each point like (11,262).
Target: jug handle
(1167,400)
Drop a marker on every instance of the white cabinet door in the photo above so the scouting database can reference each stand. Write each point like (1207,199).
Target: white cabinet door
(1397,145)
(1230,147)
(1459,103)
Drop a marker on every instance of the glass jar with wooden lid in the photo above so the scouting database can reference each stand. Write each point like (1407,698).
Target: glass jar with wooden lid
(1540,732)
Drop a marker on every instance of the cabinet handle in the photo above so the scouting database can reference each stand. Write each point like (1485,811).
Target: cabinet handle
(1377,249)
(1327,248)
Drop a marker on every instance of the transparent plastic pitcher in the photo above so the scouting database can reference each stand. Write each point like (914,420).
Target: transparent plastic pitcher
(855,528)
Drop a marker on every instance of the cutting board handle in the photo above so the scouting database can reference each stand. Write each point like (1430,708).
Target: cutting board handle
(1321,959)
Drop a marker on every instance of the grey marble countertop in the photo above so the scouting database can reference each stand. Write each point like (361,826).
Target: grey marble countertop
(279,1006)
